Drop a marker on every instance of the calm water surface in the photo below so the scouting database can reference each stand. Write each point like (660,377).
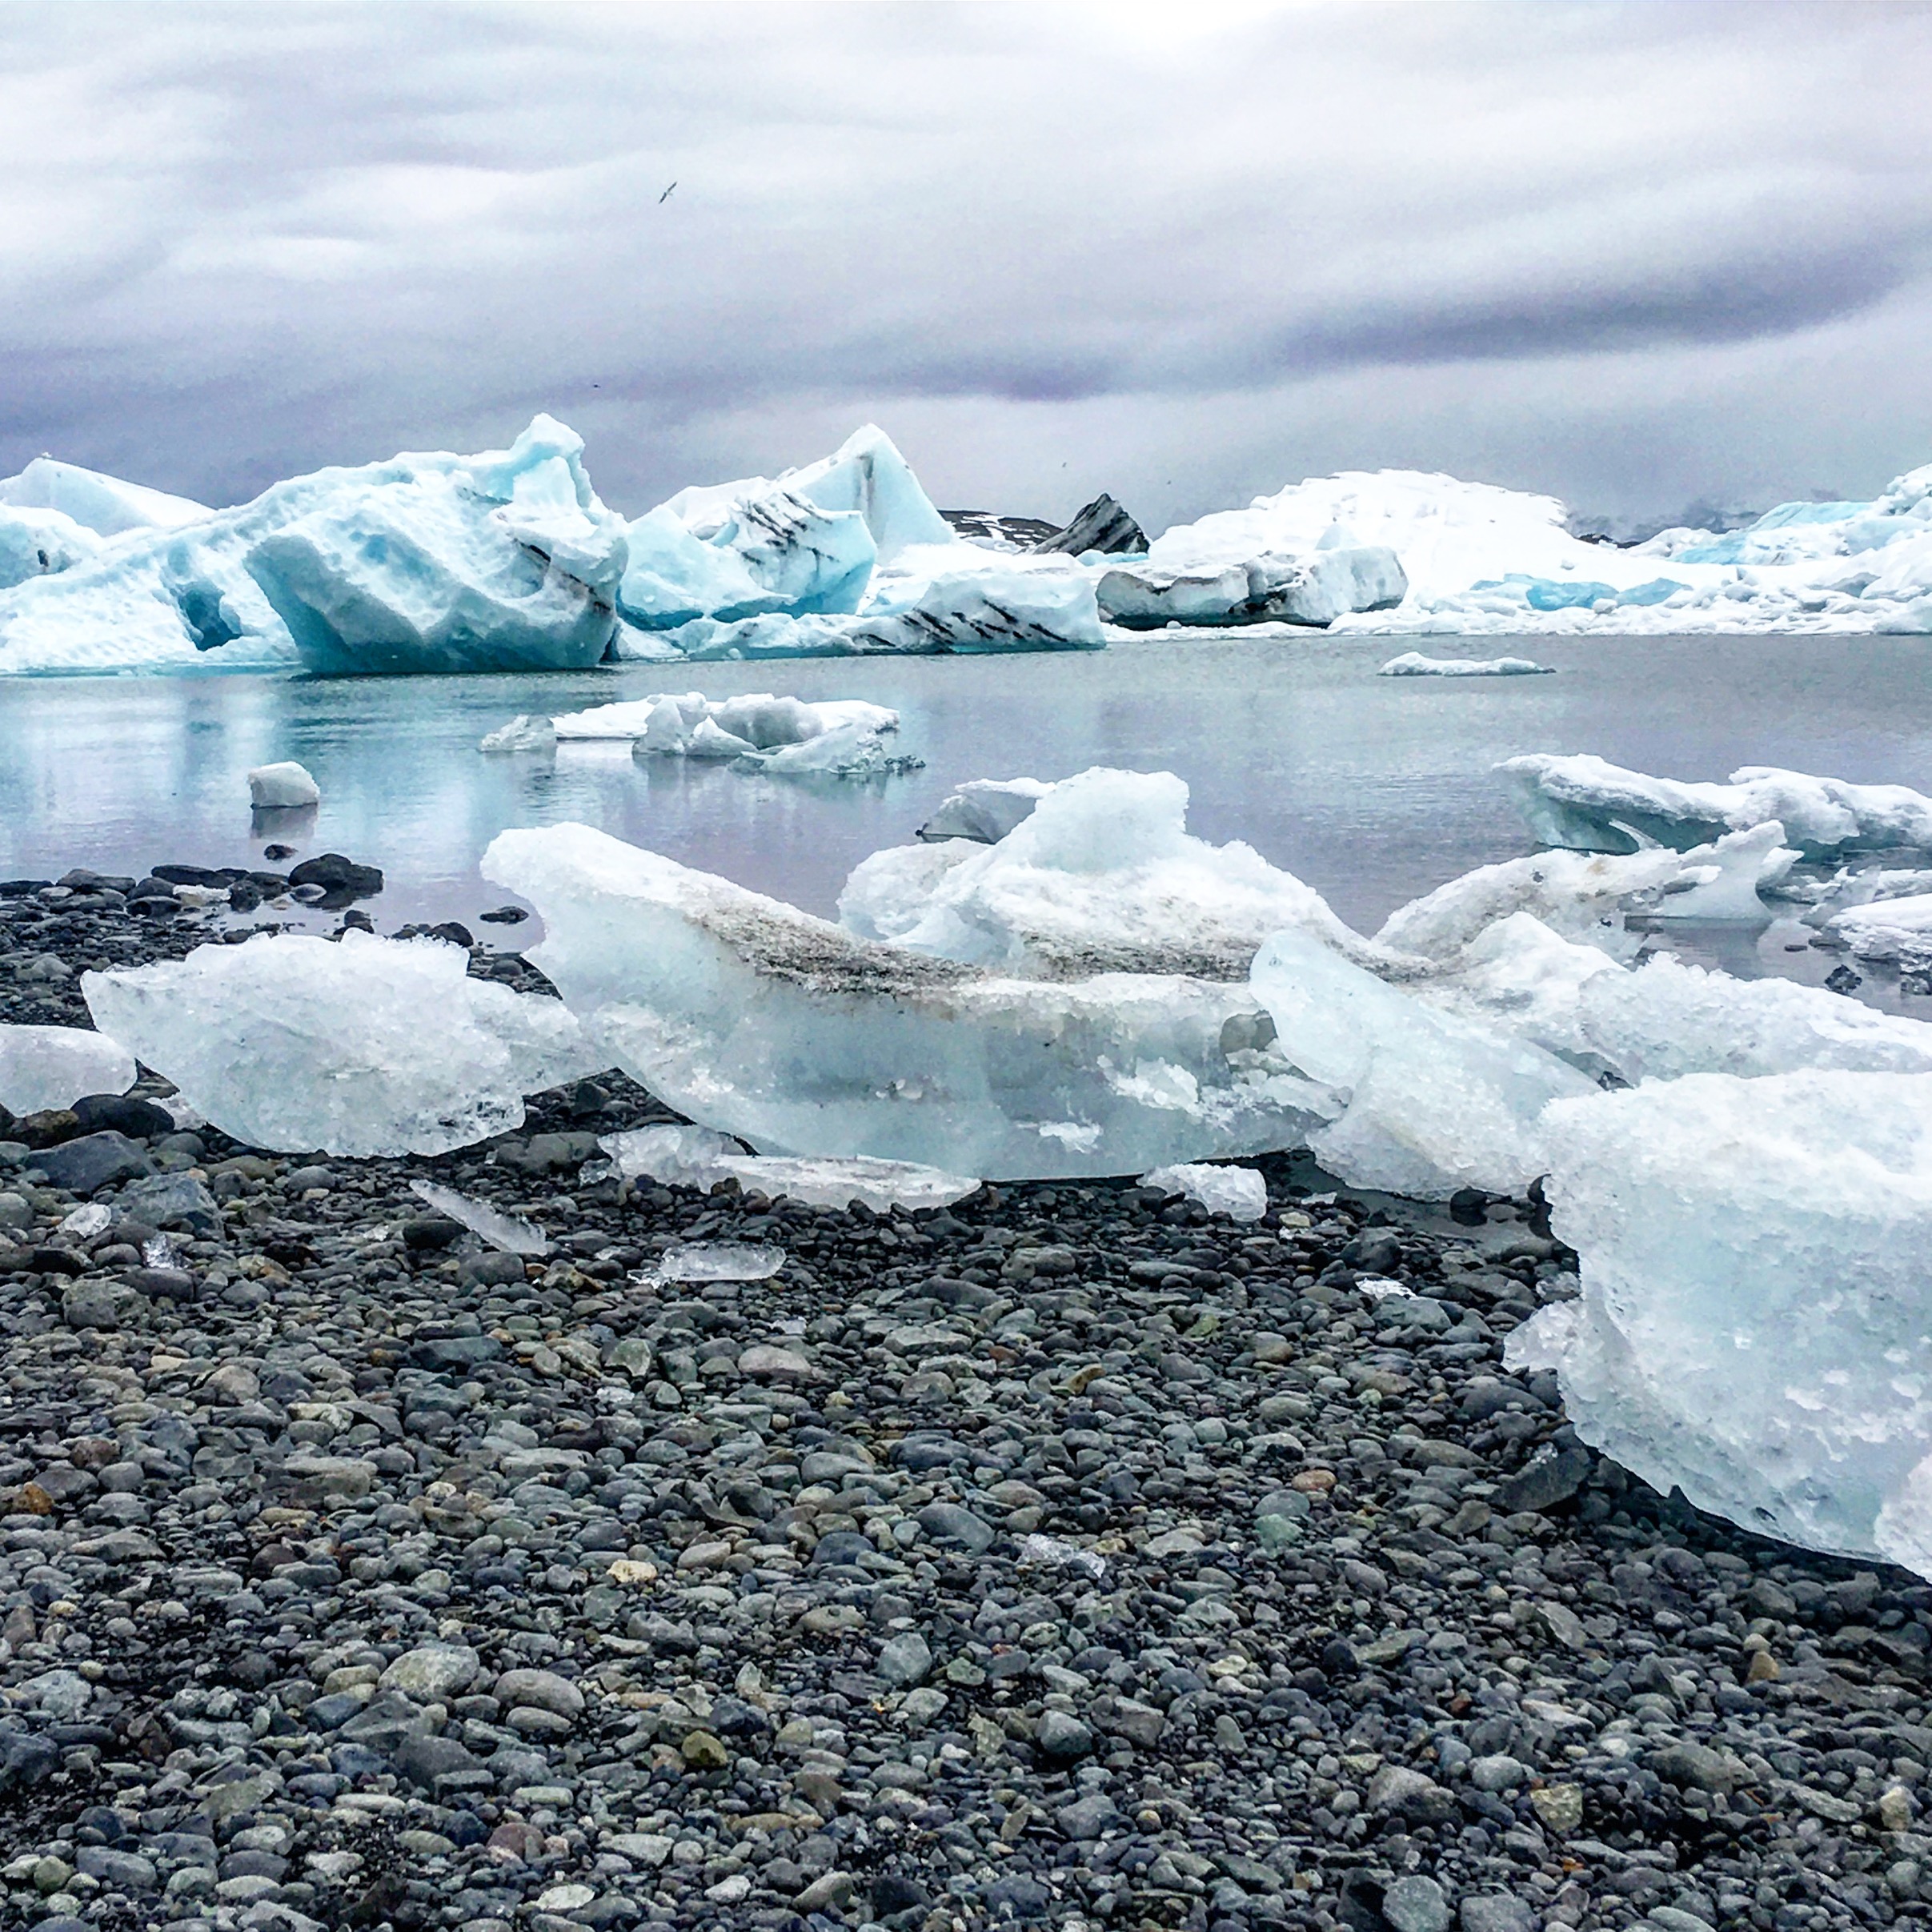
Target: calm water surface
(1373,789)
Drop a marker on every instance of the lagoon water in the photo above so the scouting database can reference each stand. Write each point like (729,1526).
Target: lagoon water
(1372,789)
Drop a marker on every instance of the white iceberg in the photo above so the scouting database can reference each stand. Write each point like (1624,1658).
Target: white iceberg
(844,736)
(1755,1275)
(756,1020)
(54,1066)
(1433,1102)
(1239,1193)
(695,1158)
(283,787)
(105,505)
(361,1047)
(1887,929)
(1329,581)
(1101,876)
(505,561)
(1590,805)
(1413,664)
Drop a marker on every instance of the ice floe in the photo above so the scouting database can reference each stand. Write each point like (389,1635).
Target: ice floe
(1887,929)
(527,732)
(1752,1326)
(362,1046)
(284,786)
(1413,664)
(695,1158)
(54,1066)
(1313,586)
(754,1019)
(1585,803)
(505,561)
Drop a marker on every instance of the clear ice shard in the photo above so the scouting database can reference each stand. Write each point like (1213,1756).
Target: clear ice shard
(1101,875)
(527,732)
(695,1158)
(1434,1102)
(754,1019)
(360,1047)
(504,561)
(1239,1193)
(54,1066)
(507,1233)
(984,809)
(1414,664)
(1755,1277)
(1590,805)
(718,1261)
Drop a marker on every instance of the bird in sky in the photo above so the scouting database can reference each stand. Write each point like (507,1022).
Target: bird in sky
(666,196)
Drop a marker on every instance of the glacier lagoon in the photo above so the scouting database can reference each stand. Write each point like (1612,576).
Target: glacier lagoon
(1373,790)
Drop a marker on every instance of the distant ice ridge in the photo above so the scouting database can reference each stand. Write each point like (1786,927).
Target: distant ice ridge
(844,737)
(1181,582)
(1413,664)
(1590,805)
(505,561)
(844,557)
(362,1047)
(1755,1276)
(756,1020)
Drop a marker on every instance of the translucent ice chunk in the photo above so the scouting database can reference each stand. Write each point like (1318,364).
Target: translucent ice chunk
(524,732)
(1239,1193)
(694,1157)
(719,1261)
(985,809)
(507,1233)
(54,1066)
(92,1218)
(1434,1102)
(363,1046)
(756,1019)
(1754,1262)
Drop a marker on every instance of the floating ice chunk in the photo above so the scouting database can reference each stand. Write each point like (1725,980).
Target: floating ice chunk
(1413,664)
(1239,1193)
(841,736)
(1667,1019)
(507,1233)
(1754,1276)
(719,1261)
(848,751)
(53,1066)
(40,543)
(966,601)
(756,1019)
(1586,803)
(1887,929)
(985,809)
(1313,588)
(1738,869)
(104,505)
(1435,1102)
(694,1157)
(504,561)
(1101,876)
(278,787)
(524,732)
(361,1047)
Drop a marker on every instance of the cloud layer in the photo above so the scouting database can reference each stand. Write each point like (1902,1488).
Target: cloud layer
(1629,253)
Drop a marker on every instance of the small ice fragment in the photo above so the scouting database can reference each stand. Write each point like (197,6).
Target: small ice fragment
(527,732)
(719,1261)
(52,1066)
(1413,664)
(277,786)
(508,1234)
(1380,1287)
(159,1252)
(86,1222)
(1050,1553)
(1239,1193)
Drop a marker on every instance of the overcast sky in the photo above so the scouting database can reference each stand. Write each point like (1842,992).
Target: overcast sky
(1634,252)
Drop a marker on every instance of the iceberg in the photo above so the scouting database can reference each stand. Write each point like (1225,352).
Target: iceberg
(695,1158)
(525,732)
(1102,875)
(1102,528)
(1413,664)
(41,544)
(1755,1274)
(505,561)
(1434,1102)
(843,737)
(1239,1193)
(104,505)
(1887,929)
(1590,805)
(360,1047)
(54,1066)
(756,1020)
(281,788)
(1313,589)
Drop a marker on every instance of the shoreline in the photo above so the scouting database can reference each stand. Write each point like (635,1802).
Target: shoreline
(353,1575)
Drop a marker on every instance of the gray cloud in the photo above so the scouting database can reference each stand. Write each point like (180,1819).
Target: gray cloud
(1626,252)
